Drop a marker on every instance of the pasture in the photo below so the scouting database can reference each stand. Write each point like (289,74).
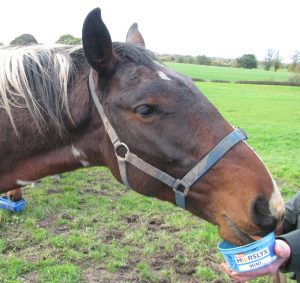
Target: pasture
(209,73)
(89,228)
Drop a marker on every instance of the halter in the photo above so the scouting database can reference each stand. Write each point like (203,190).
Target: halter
(181,187)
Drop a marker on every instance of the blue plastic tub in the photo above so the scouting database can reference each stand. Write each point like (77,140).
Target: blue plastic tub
(249,257)
(15,206)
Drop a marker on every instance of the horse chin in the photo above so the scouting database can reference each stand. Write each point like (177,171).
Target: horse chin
(239,237)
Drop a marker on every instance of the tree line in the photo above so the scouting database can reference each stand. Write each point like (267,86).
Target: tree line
(272,60)
(28,39)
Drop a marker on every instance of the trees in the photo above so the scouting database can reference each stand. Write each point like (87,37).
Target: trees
(296,57)
(24,39)
(272,59)
(202,60)
(277,61)
(69,40)
(247,61)
(167,58)
(268,59)
(295,65)
(188,59)
(179,59)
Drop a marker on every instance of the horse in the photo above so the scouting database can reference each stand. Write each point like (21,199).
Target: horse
(115,104)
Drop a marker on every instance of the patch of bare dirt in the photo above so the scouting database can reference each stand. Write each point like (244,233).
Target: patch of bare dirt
(50,223)
(31,277)
(90,190)
(157,224)
(131,219)
(112,235)
(101,275)
(54,191)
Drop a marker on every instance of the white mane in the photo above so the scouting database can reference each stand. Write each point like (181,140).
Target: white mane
(36,77)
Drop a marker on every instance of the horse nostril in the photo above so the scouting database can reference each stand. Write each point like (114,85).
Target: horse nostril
(262,216)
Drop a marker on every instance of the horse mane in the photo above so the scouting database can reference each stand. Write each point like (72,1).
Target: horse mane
(37,78)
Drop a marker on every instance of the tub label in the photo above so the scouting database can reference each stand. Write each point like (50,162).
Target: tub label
(245,258)
(256,264)
(254,260)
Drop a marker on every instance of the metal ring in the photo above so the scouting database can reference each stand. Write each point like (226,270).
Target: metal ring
(118,147)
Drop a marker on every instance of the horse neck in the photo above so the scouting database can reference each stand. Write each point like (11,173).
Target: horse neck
(86,131)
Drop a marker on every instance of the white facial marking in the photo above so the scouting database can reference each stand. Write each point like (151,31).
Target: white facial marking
(163,76)
(276,203)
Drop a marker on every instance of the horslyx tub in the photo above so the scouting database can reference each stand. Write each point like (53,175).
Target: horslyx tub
(249,257)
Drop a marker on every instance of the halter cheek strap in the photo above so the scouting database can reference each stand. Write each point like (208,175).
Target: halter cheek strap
(182,186)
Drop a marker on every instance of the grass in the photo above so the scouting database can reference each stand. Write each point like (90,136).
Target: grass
(109,229)
(209,73)
(89,228)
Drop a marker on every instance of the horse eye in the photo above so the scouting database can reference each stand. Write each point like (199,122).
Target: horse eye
(145,111)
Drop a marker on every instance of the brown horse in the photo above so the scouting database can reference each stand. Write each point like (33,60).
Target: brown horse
(50,124)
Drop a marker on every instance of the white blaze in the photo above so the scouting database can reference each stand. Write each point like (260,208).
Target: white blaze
(276,203)
(163,76)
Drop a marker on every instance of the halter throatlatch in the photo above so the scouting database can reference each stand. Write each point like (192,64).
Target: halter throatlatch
(182,186)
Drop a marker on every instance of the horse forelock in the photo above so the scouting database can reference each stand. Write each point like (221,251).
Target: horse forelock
(36,77)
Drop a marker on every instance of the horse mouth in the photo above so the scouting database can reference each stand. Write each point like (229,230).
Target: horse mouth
(243,237)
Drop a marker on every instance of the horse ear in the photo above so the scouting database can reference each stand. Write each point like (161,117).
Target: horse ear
(134,36)
(97,44)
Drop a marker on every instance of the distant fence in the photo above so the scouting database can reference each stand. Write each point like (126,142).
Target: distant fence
(268,83)
(249,82)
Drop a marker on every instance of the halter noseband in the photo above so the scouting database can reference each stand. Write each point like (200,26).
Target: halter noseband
(182,186)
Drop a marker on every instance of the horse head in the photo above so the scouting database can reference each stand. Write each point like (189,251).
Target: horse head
(164,120)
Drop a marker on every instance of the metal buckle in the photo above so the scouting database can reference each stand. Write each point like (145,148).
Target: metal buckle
(121,149)
(181,189)
(181,186)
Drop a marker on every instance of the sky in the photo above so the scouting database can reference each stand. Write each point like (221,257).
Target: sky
(215,28)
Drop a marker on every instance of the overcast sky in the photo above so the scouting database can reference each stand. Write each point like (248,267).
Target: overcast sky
(221,28)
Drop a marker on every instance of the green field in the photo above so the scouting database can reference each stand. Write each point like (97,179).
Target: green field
(209,73)
(89,228)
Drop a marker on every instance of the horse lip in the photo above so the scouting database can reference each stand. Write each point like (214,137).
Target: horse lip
(256,237)
(245,238)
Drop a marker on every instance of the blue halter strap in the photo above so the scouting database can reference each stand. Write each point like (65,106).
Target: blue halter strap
(182,187)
